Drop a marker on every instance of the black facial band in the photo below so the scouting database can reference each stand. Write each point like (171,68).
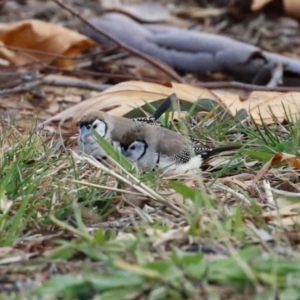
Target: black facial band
(105,131)
(158,159)
(145,148)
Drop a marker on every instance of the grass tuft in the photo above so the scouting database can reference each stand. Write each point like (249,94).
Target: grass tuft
(73,228)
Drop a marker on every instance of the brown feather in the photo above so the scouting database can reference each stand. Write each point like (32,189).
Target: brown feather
(162,140)
(117,125)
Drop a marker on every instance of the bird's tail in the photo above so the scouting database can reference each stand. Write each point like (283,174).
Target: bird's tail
(168,103)
(214,151)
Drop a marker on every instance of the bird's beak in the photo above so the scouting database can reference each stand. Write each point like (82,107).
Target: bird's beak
(84,131)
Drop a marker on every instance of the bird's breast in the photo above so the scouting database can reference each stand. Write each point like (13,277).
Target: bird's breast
(171,167)
(88,145)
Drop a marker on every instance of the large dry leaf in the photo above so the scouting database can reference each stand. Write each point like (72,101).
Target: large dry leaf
(263,104)
(43,37)
(120,99)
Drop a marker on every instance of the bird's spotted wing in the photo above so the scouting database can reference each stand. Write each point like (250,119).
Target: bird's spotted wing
(165,105)
(147,120)
(204,152)
(195,141)
(185,155)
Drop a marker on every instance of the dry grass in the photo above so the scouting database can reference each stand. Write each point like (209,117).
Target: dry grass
(74,228)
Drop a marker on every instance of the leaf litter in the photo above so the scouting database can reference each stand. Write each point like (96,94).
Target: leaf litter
(70,216)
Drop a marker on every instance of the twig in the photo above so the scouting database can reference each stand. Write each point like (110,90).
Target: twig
(24,87)
(220,84)
(103,74)
(104,187)
(246,86)
(160,65)
(285,193)
(140,187)
(78,83)
(234,193)
(268,191)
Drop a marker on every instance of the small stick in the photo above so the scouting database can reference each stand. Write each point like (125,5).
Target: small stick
(160,65)
(246,86)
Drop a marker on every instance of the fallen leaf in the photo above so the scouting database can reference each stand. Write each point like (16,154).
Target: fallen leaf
(278,158)
(292,8)
(259,4)
(263,104)
(43,38)
(120,99)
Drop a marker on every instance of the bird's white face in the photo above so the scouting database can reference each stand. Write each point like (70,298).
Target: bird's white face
(135,151)
(86,140)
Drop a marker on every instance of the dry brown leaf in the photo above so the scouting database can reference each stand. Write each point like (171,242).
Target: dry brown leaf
(292,8)
(261,103)
(278,158)
(122,98)
(258,4)
(43,37)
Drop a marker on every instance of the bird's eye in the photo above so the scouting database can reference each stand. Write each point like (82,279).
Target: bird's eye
(95,126)
(132,147)
(88,126)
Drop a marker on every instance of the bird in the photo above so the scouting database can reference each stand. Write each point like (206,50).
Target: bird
(112,128)
(161,148)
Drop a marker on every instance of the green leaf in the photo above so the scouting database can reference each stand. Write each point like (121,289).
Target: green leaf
(58,284)
(112,152)
(192,264)
(170,273)
(195,195)
(259,155)
(289,294)
(118,280)
(99,236)
(63,253)
(123,293)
